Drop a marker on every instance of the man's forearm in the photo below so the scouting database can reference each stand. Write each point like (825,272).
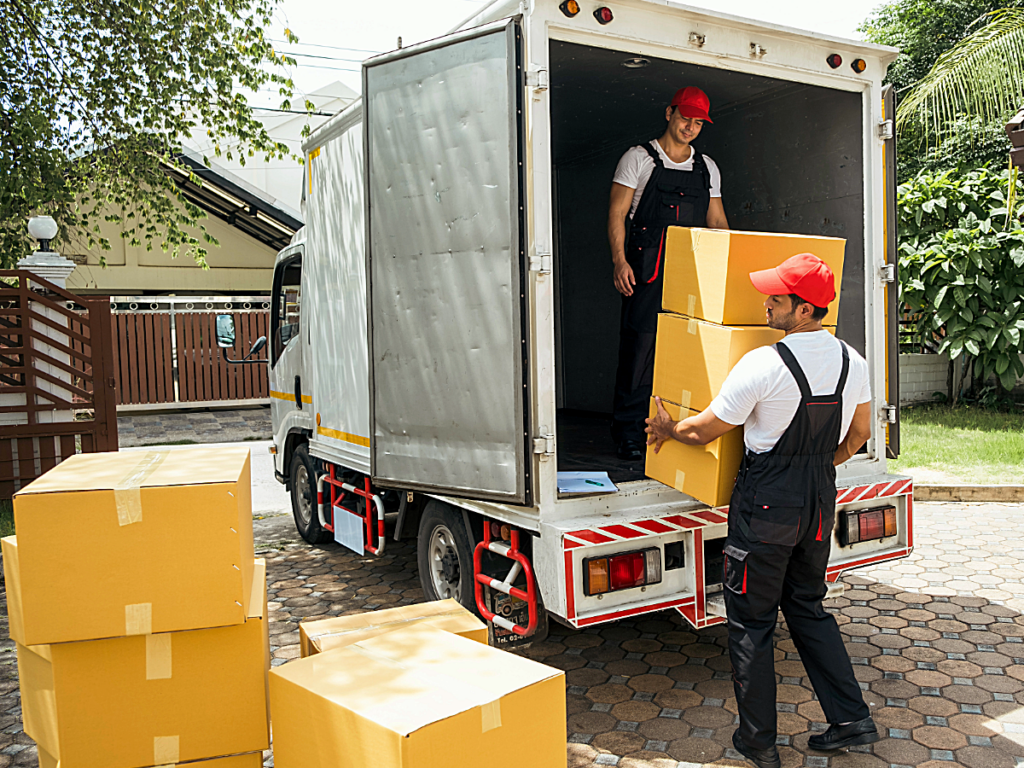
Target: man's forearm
(685,432)
(848,448)
(617,239)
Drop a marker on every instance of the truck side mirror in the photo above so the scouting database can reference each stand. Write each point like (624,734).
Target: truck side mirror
(226,332)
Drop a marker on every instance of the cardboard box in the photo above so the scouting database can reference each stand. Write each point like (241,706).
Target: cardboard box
(419,698)
(705,472)
(135,543)
(149,700)
(250,760)
(692,357)
(446,615)
(707,271)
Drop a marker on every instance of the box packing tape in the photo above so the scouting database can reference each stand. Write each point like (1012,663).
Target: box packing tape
(165,750)
(158,657)
(490,716)
(691,327)
(680,480)
(684,398)
(691,304)
(138,619)
(128,492)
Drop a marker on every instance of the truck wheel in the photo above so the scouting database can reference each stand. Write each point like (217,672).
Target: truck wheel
(445,555)
(302,478)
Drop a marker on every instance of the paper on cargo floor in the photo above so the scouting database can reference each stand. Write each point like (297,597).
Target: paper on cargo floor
(585,482)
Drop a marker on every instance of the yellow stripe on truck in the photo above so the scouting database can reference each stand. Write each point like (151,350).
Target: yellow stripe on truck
(285,396)
(344,436)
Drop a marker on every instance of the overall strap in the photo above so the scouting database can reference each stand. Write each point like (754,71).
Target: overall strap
(702,167)
(794,367)
(846,367)
(649,146)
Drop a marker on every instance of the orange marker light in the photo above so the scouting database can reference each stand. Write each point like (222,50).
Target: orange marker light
(597,576)
(603,15)
(858,65)
(570,8)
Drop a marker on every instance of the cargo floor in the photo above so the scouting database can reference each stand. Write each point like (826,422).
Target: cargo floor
(585,444)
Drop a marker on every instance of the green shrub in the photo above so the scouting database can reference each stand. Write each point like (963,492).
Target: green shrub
(962,267)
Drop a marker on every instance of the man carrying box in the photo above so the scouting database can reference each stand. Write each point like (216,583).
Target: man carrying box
(664,182)
(804,406)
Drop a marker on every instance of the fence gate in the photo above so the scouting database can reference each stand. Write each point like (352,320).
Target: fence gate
(56,378)
(165,350)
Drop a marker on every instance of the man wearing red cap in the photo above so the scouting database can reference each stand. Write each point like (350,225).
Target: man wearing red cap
(804,404)
(665,182)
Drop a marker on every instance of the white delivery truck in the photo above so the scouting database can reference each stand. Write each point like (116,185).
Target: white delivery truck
(444,327)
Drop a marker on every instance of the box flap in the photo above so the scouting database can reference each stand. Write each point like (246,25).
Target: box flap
(408,679)
(387,619)
(142,469)
(12,582)
(258,595)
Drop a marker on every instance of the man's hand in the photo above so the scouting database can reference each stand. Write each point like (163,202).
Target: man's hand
(660,428)
(624,280)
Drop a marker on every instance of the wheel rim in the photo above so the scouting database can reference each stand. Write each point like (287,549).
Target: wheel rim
(303,497)
(445,571)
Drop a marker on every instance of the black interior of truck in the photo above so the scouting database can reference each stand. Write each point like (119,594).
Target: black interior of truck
(792,160)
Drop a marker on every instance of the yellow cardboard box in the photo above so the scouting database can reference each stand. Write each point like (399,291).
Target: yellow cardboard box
(446,615)
(115,544)
(250,760)
(705,472)
(692,357)
(148,699)
(707,271)
(419,698)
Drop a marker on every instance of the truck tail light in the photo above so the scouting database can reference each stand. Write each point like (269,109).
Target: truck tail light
(866,525)
(603,15)
(834,61)
(624,571)
(570,8)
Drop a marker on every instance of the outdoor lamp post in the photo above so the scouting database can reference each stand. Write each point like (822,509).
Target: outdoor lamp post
(46,263)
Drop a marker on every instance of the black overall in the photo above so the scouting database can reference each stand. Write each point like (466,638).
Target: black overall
(671,198)
(780,532)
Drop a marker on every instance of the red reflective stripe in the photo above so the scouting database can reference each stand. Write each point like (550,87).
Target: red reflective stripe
(819,523)
(657,265)
(744,579)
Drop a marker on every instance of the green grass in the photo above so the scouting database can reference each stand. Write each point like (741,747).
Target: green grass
(965,444)
(6,518)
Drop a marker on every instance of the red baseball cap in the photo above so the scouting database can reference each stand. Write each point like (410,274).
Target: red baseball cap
(692,102)
(804,274)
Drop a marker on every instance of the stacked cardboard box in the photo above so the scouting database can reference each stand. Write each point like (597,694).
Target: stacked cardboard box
(713,317)
(447,615)
(417,697)
(140,612)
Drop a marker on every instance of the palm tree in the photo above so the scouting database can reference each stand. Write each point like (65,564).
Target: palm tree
(981,76)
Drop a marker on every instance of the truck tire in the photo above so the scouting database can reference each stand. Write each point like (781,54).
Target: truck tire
(302,480)
(445,555)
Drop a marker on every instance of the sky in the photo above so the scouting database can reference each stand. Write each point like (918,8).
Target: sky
(335,35)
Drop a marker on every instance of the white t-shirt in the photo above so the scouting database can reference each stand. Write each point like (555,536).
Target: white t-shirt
(636,166)
(761,394)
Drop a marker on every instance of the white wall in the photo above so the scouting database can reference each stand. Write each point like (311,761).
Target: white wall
(923,375)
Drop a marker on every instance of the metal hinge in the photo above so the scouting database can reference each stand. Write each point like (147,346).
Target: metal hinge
(541,263)
(885,130)
(697,39)
(537,79)
(544,445)
(888,273)
(889,413)
(757,51)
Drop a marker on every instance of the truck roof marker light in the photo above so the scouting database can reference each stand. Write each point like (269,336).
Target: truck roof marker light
(834,61)
(570,8)
(858,65)
(603,15)
(636,63)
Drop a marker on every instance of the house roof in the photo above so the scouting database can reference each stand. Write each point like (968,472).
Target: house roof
(240,204)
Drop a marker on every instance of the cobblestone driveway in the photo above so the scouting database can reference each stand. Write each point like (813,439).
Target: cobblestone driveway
(936,641)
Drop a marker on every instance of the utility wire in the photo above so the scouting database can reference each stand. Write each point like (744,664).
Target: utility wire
(329,47)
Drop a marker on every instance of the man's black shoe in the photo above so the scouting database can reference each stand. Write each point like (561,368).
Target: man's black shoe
(630,450)
(762,758)
(839,736)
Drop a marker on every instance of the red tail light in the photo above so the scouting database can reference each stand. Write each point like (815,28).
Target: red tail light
(835,60)
(867,525)
(625,571)
(603,15)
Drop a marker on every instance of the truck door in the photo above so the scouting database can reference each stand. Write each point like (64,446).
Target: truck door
(893,308)
(287,325)
(445,266)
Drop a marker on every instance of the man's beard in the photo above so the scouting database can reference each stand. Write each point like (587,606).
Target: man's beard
(781,322)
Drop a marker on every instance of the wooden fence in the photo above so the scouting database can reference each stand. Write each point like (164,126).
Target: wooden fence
(166,350)
(56,378)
